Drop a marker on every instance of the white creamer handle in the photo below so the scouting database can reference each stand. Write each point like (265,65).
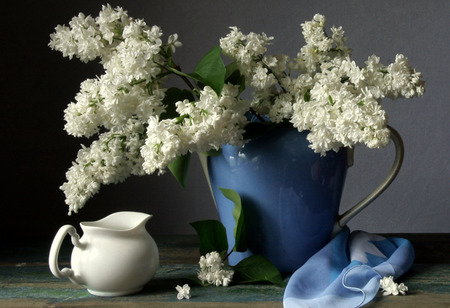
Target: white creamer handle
(54,253)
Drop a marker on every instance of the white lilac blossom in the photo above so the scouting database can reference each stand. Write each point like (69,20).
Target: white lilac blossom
(110,159)
(206,125)
(87,38)
(173,42)
(184,292)
(389,287)
(321,90)
(324,91)
(212,270)
(248,50)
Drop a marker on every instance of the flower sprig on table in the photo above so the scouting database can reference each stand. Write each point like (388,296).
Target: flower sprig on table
(389,287)
(213,271)
(215,249)
(184,292)
(144,127)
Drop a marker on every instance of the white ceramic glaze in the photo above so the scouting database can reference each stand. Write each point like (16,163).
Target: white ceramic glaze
(115,256)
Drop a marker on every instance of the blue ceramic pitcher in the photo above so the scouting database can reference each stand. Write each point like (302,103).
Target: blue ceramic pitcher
(290,195)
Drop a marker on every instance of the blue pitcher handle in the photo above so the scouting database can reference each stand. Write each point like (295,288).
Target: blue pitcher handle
(349,214)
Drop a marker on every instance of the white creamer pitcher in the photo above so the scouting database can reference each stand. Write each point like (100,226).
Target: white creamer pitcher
(115,256)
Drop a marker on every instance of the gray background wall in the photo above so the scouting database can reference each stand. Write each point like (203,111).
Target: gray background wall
(37,83)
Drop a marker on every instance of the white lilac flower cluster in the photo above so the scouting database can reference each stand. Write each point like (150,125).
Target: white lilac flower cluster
(212,270)
(320,90)
(388,286)
(184,292)
(208,124)
(124,106)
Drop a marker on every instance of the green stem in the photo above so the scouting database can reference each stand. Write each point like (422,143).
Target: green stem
(177,71)
(269,70)
(228,254)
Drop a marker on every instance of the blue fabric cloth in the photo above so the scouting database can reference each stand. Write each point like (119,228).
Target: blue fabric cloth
(347,271)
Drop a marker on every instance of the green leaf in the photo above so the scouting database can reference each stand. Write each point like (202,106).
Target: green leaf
(194,279)
(179,168)
(172,96)
(233,76)
(239,230)
(230,70)
(212,234)
(330,99)
(307,96)
(257,268)
(211,70)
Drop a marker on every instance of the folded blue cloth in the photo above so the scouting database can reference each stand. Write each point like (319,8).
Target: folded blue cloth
(347,271)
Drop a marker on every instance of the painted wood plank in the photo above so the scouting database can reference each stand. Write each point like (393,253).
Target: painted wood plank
(429,285)
(25,281)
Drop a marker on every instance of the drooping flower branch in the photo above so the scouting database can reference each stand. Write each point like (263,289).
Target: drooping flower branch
(143,127)
(322,90)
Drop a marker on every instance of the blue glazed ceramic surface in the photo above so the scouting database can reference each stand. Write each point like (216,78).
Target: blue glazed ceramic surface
(290,195)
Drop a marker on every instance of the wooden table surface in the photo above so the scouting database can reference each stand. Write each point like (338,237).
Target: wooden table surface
(26,281)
